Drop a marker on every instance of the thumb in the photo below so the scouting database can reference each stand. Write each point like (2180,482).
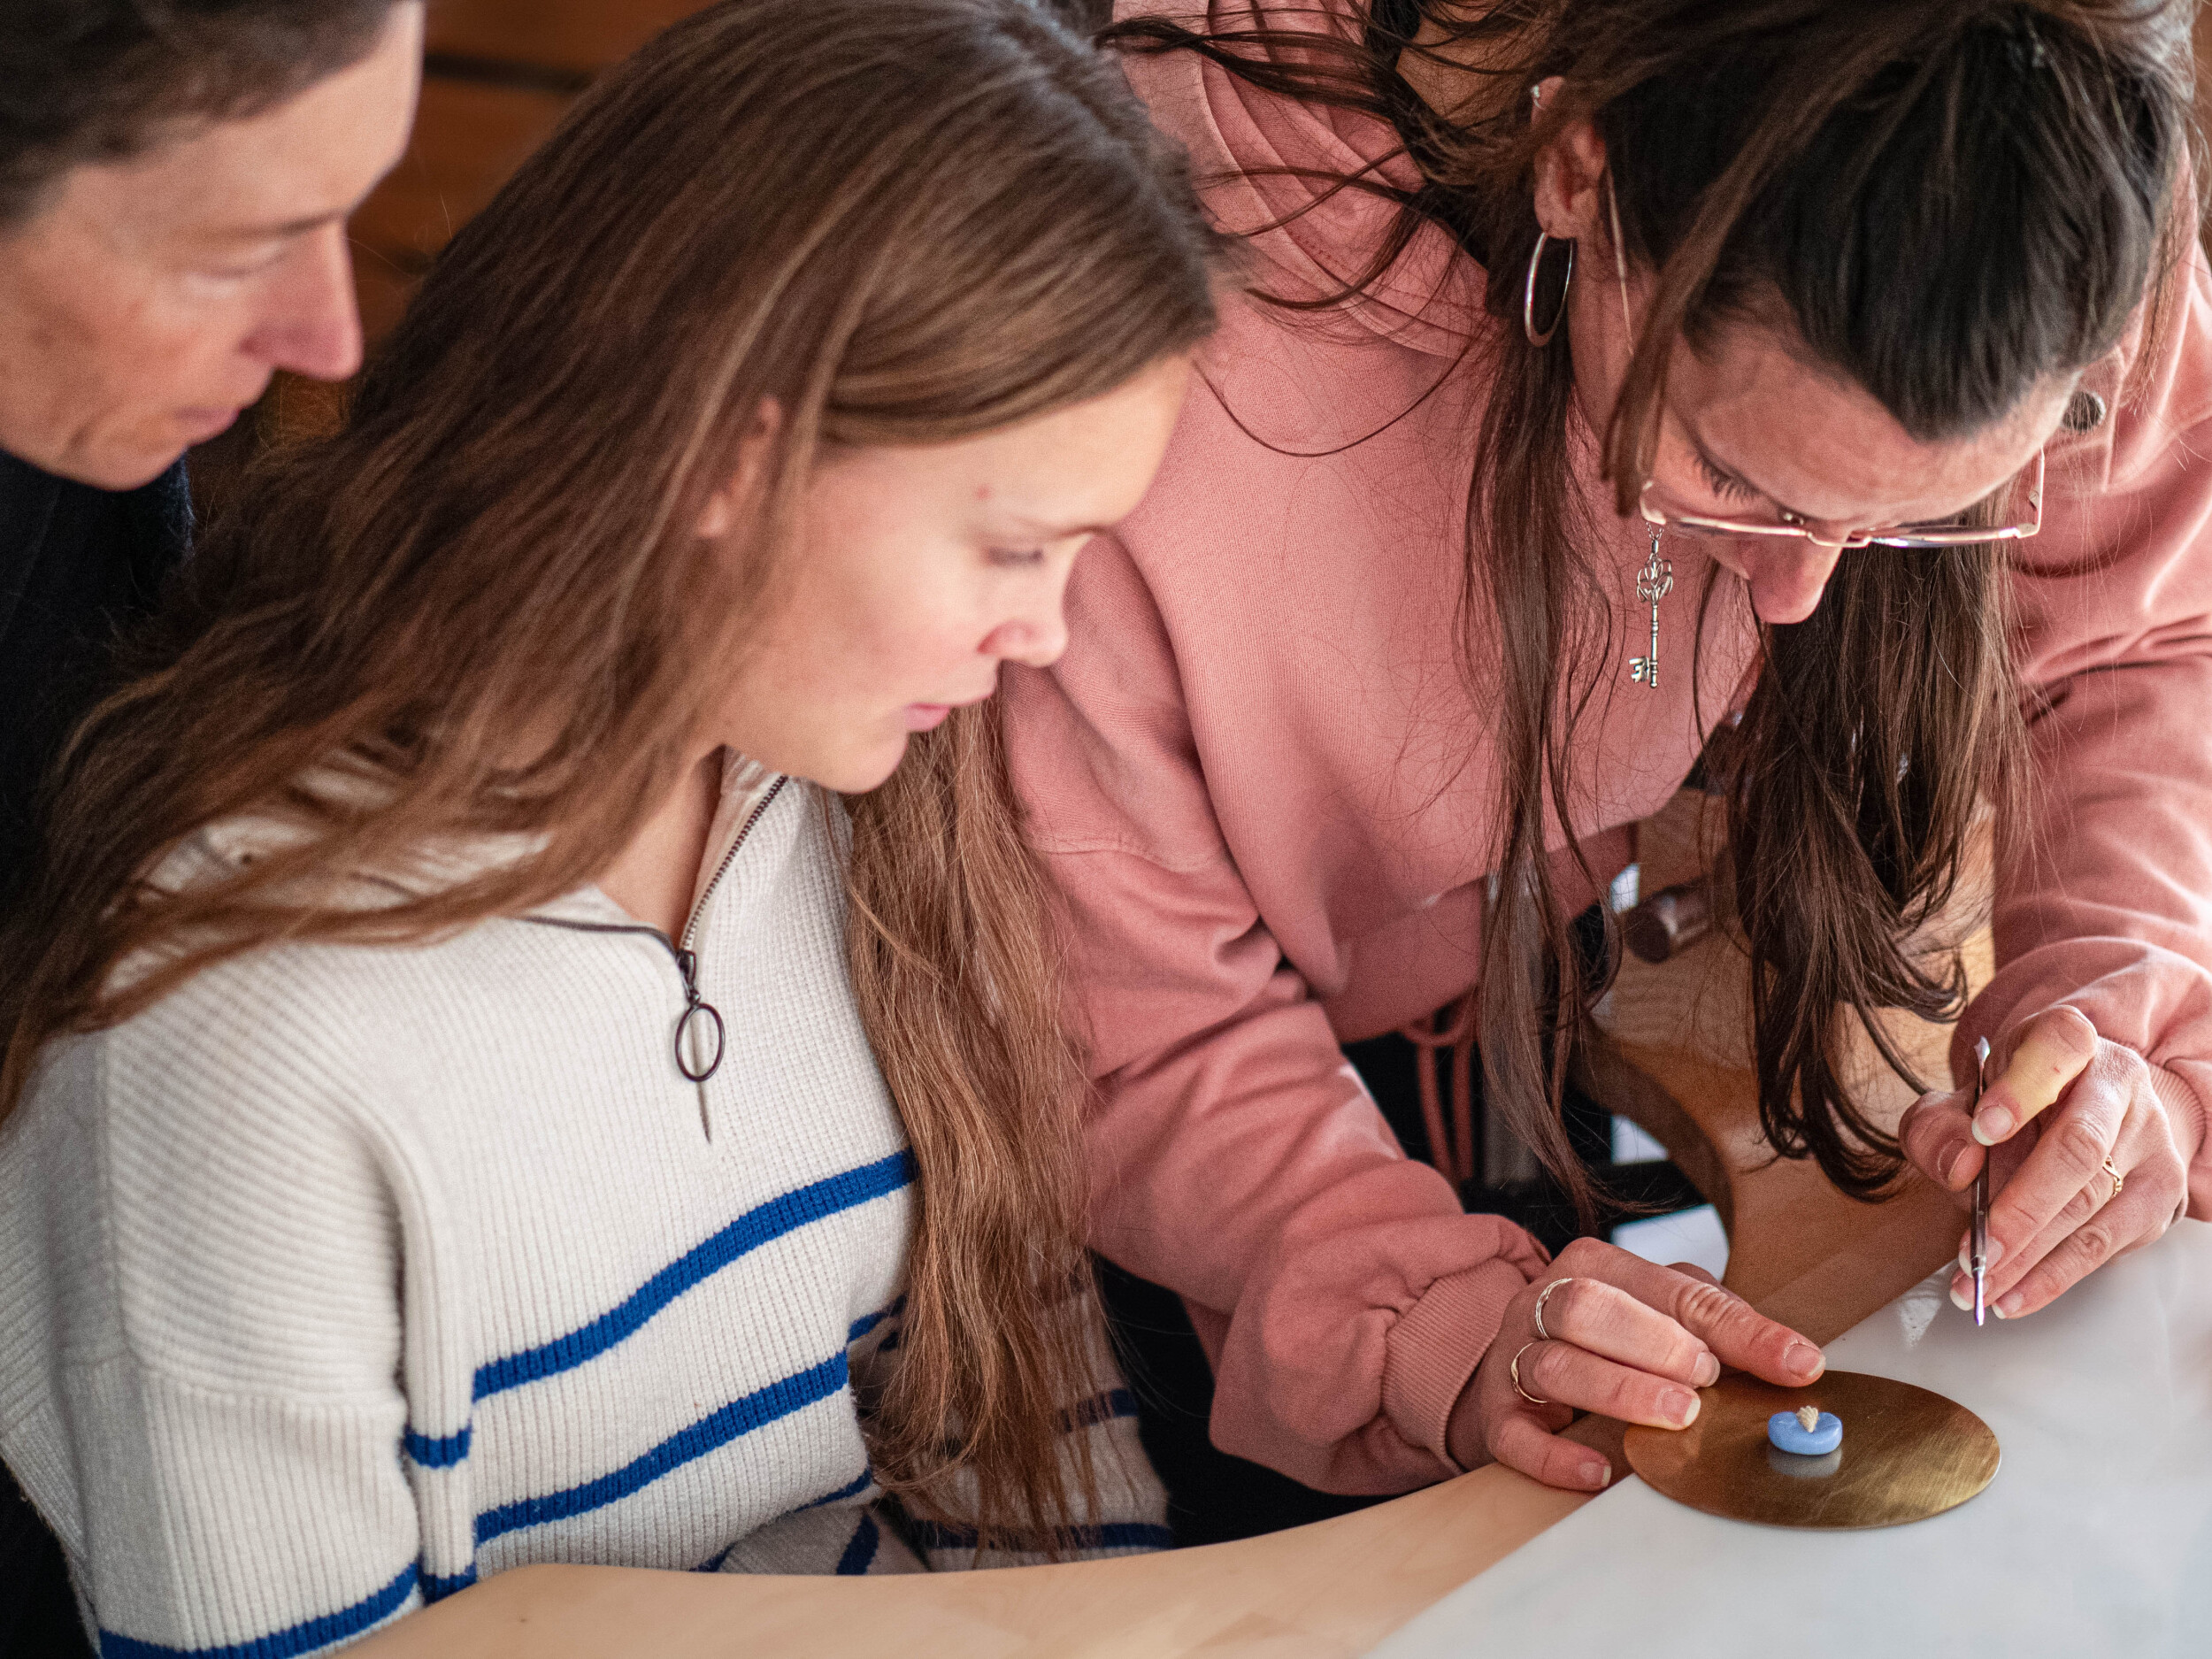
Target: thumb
(2054,1049)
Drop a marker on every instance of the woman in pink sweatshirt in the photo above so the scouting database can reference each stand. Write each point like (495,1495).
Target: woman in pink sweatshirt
(1638,375)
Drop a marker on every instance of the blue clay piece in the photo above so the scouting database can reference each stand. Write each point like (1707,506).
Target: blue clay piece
(1789,1435)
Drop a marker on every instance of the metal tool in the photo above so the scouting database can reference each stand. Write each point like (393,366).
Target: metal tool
(1977,1247)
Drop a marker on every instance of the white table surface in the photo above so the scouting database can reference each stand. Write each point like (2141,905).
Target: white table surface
(2095,1538)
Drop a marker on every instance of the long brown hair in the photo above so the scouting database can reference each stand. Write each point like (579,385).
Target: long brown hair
(903,224)
(1952,199)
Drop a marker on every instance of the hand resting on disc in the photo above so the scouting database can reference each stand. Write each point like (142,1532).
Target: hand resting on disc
(1629,1338)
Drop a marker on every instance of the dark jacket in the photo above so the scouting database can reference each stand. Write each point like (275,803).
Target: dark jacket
(77,564)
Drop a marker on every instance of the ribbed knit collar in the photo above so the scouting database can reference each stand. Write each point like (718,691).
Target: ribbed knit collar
(239,841)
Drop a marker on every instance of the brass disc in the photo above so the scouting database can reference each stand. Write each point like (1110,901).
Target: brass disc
(1907,1454)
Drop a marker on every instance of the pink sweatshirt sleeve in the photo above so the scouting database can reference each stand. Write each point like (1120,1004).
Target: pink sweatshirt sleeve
(2111,910)
(1343,1296)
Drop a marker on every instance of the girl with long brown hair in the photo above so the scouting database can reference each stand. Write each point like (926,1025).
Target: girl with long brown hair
(476,1095)
(1617,365)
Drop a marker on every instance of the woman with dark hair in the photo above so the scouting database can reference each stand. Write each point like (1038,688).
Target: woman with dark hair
(477,1095)
(1620,366)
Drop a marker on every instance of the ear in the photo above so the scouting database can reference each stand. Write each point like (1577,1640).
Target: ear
(726,508)
(1570,178)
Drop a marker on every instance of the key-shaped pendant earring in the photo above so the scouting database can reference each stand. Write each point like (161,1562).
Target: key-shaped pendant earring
(1654,583)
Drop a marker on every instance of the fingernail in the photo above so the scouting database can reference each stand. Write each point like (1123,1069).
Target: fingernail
(1992,1253)
(1706,1372)
(1598,1475)
(1803,1359)
(1993,1124)
(1962,1297)
(2006,1309)
(1680,1405)
(1948,1172)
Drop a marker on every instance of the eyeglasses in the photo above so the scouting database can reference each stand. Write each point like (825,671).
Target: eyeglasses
(1661,514)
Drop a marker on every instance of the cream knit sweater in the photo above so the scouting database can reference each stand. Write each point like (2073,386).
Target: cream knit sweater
(347,1276)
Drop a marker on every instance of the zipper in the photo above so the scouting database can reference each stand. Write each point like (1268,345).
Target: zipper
(697,1008)
(691,924)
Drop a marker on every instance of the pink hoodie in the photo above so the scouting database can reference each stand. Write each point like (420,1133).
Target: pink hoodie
(1269,799)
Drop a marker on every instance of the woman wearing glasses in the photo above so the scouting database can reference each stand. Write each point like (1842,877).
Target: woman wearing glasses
(1624,364)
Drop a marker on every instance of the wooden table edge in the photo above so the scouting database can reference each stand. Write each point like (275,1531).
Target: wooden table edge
(1333,1588)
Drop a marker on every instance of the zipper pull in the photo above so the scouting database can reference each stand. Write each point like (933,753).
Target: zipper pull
(696,1009)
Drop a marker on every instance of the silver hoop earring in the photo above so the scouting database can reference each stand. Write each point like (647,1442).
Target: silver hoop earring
(1528,293)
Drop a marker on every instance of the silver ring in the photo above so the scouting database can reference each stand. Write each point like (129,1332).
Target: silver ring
(1543,1297)
(1514,1371)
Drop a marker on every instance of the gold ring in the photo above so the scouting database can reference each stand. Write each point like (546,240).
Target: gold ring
(2118,1182)
(1514,1371)
(1543,1297)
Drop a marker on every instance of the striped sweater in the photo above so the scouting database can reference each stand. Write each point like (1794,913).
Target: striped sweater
(346,1276)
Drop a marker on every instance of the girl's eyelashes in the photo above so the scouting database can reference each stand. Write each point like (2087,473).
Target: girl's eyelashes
(1016,558)
(1726,486)
(235,274)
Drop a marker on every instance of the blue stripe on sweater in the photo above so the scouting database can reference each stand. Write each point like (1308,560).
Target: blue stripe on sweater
(1122,1535)
(437,1454)
(859,1553)
(436,1589)
(303,1638)
(868,1322)
(852,1488)
(755,1227)
(711,1434)
(1111,1535)
(1104,1407)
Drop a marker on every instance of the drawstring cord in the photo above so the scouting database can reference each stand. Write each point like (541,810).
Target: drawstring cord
(1453,1149)
(1452,1028)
